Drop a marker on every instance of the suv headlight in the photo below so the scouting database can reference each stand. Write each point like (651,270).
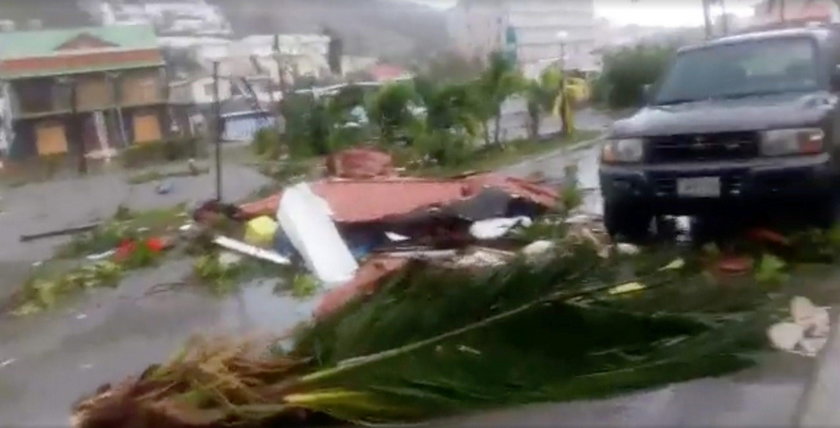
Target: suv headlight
(623,150)
(781,142)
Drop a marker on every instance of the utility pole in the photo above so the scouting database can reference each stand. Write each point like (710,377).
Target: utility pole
(724,17)
(278,57)
(707,17)
(217,129)
(781,11)
(74,120)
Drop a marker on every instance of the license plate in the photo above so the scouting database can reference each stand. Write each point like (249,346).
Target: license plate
(699,187)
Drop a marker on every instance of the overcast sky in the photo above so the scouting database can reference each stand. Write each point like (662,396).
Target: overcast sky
(670,13)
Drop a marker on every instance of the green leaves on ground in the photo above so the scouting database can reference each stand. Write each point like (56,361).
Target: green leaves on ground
(44,292)
(770,270)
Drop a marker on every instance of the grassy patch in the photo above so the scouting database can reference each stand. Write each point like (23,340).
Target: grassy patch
(492,158)
(44,289)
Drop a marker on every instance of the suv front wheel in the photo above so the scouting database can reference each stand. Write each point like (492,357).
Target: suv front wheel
(627,221)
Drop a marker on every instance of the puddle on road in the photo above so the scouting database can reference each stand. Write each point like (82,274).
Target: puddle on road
(256,306)
(62,354)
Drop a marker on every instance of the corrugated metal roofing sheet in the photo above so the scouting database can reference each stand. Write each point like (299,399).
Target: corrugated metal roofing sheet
(359,201)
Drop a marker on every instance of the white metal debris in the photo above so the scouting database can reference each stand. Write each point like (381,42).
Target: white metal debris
(627,249)
(484,257)
(495,228)
(250,250)
(538,251)
(227,259)
(101,256)
(808,332)
(306,220)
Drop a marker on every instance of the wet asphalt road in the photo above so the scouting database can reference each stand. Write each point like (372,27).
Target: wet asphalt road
(47,361)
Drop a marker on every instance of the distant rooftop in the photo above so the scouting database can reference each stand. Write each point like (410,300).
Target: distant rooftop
(41,43)
(26,54)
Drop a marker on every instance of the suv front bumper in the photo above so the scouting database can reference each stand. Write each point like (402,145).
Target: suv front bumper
(744,183)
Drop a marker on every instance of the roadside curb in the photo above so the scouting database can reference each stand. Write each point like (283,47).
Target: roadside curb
(818,405)
(573,148)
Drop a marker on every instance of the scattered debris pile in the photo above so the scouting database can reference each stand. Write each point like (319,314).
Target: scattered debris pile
(433,341)
(364,222)
(806,333)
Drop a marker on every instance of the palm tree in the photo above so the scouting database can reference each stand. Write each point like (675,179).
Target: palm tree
(390,110)
(496,84)
(541,96)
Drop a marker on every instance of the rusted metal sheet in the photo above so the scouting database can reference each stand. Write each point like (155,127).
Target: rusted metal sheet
(359,201)
(361,163)
(368,277)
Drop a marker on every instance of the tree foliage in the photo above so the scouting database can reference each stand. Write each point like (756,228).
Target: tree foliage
(439,119)
(541,97)
(390,110)
(499,81)
(627,70)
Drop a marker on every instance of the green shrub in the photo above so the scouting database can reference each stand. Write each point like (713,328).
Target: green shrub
(443,147)
(267,143)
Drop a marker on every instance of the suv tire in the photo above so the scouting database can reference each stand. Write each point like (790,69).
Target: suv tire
(627,221)
(825,211)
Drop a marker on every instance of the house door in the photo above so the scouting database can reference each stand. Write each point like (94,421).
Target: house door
(146,127)
(50,138)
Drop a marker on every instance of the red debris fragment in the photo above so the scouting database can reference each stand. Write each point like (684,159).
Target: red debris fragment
(735,264)
(370,274)
(127,248)
(157,244)
(767,236)
(360,163)
(359,201)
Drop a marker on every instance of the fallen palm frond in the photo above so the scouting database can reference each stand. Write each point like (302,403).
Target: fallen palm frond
(432,342)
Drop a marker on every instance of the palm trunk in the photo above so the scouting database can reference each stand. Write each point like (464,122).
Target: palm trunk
(497,125)
(535,126)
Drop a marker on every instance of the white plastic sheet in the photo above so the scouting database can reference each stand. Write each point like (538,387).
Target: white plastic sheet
(495,228)
(306,219)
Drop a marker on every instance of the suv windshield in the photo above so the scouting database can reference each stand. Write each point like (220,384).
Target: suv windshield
(742,69)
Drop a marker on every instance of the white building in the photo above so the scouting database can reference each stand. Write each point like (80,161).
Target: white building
(184,17)
(198,91)
(538,31)
(302,54)
(296,54)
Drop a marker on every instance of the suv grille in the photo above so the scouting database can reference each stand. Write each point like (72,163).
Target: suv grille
(731,182)
(700,147)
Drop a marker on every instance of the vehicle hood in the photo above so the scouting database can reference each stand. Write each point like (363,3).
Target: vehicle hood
(745,114)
